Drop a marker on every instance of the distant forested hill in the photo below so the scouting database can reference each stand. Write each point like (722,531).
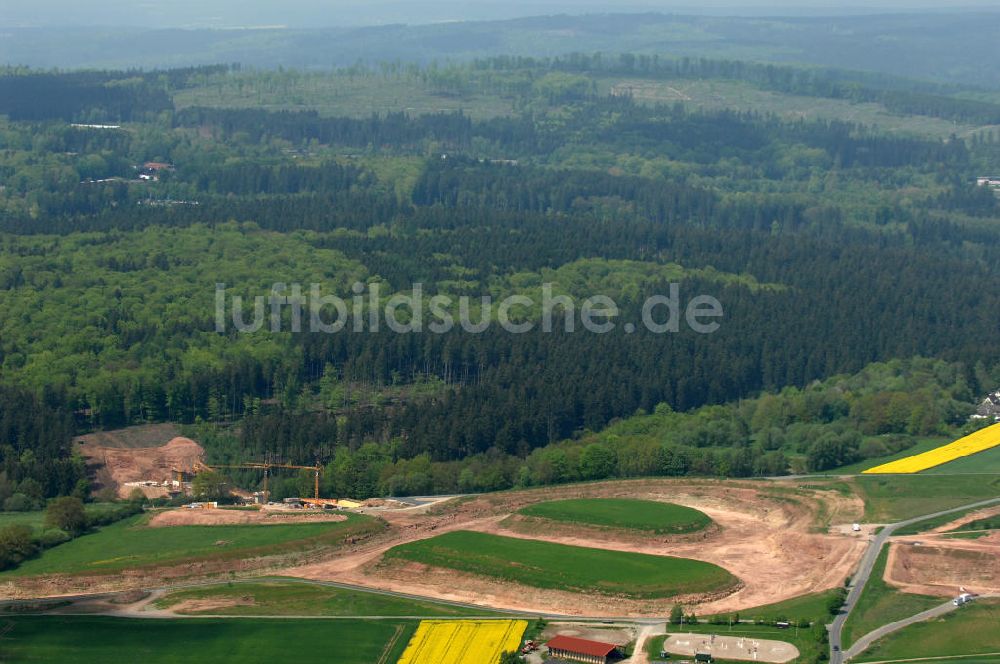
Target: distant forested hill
(950,47)
(830,244)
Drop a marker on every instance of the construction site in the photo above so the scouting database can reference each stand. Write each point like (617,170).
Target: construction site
(132,460)
(778,539)
(768,541)
(947,557)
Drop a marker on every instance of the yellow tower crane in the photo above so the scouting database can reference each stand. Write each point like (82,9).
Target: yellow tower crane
(267,466)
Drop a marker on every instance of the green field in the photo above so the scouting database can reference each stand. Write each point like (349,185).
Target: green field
(130,544)
(36,519)
(898,497)
(972,630)
(881,604)
(645,515)
(936,522)
(968,535)
(812,607)
(290,598)
(572,568)
(987,523)
(84,639)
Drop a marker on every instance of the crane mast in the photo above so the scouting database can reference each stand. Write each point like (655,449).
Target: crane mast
(266,467)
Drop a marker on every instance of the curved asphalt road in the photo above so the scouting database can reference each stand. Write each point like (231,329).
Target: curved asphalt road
(871,637)
(498,613)
(864,572)
(858,583)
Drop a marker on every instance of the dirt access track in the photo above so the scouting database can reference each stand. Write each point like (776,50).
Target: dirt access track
(224,517)
(935,564)
(138,454)
(769,535)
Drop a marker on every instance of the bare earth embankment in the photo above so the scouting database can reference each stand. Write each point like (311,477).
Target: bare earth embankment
(113,464)
(224,517)
(939,563)
(774,537)
(766,534)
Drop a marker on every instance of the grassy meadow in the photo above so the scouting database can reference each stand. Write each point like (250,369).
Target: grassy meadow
(645,515)
(972,630)
(131,544)
(36,519)
(99,640)
(898,497)
(813,607)
(289,598)
(881,604)
(571,568)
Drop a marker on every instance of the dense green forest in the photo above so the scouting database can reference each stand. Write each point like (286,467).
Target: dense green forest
(881,410)
(831,246)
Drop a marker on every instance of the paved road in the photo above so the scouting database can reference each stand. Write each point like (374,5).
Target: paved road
(333,584)
(871,637)
(864,572)
(251,580)
(858,583)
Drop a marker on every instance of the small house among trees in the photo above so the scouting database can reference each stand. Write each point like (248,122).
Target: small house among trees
(989,408)
(152,170)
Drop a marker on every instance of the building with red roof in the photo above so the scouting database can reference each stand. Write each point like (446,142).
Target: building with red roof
(581,650)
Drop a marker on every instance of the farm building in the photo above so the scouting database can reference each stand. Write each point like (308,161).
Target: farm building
(152,170)
(989,407)
(581,650)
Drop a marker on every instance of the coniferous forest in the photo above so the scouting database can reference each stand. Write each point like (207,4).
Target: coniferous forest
(856,264)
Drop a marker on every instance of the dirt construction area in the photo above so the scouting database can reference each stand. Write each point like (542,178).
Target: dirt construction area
(113,462)
(731,647)
(224,517)
(939,563)
(774,536)
(617,635)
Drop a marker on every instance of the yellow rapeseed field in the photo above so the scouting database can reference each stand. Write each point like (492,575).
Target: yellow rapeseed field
(981,440)
(463,641)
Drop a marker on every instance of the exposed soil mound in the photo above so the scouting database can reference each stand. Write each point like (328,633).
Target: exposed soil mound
(771,535)
(112,467)
(944,566)
(144,435)
(223,517)
(190,606)
(984,513)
